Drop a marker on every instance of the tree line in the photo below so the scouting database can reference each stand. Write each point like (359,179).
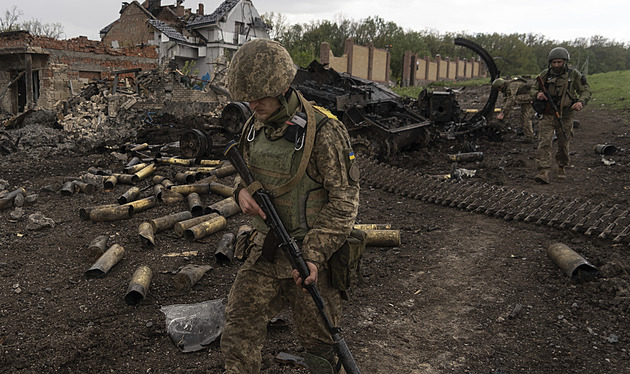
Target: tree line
(514,54)
(10,21)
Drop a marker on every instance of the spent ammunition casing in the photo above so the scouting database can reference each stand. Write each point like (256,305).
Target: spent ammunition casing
(97,247)
(157,179)
(572,264)
(7,201)
(113,213)
(382,238)
(189,275)
(210,162)
(127,178)
(68,188)
(225,170)
(110,182)
(146,235)
(205,228)
(170,197)
(194,204)
(106,261)
(145,172)
(167,183)
(205,169)
(84,213)
(185,189)
(139,285)
(466,157)
(186,177)
(157,191)
(132,162)
(86,188)
(373,226)
(167,222)
(98,171)
(176,161)
(129,196)
(221,189)
(181,226)
(208,179)
(226,207)
(225,249)
(135,168)
(140,147)
(143,204)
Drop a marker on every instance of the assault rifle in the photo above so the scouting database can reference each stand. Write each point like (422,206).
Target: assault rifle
(293,253)
(553,106)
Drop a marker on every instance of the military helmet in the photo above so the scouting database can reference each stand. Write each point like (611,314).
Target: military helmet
(559,53)
(260,68)
(497,83)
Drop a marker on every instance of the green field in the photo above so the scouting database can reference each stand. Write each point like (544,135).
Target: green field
(610,90)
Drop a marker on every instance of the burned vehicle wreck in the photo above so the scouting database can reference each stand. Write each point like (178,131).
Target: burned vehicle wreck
(381,122)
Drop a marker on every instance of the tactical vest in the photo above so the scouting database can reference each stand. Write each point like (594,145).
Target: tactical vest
(522,91)
(560,86)
(273,163)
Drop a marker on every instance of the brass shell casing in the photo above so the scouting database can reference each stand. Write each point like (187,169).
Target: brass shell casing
(143,204)
(194,204)
(225,170)
(97,247)
(110,182)
(146,234)
(145,172)
(139,285)
(176,161)
(113,213)
(373,226)
(68,188)
(225,249)
(167,222)
(208,179)
(127,178)
(382,238)
(221,189)
(185,189)
(189,275)
(210,162)
(570,262)
(186,177)
(169,197)
(226,207)
(205,228)
(106,261)
(86,188)
(167,183)
(130,195)
(182,226)
(135,168)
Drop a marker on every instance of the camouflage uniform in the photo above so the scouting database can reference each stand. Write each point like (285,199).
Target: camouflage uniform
(262,288)
(566,88)
(517,93)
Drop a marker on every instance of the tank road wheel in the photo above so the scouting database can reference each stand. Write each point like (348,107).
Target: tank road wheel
(362,146)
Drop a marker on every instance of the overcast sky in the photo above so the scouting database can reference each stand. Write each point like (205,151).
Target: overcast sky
(556,20)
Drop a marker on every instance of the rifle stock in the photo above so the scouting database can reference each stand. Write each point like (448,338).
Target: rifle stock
(292,252)
(553,106)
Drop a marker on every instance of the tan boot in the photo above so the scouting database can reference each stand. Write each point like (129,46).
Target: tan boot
(542,176)
(561,173)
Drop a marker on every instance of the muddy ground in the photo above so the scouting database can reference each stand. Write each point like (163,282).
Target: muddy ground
(463,293)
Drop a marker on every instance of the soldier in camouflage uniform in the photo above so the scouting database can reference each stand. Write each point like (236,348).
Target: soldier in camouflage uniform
(570,92)
(516,92)
(302,155)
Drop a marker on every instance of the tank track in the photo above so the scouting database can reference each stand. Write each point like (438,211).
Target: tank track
(583,216)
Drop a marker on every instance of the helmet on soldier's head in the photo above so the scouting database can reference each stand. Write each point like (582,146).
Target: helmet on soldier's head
(498,83)
(559,53)
(260,68)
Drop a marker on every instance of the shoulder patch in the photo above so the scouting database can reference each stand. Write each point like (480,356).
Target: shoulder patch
(325,111)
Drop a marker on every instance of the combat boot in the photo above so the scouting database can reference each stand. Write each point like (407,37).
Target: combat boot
(562,174)
(542,176)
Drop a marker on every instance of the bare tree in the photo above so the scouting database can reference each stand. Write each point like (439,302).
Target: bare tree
(9,22)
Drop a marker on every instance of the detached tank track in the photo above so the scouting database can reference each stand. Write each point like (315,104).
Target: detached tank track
(583,216)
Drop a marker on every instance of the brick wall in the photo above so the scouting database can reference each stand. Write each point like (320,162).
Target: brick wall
(417,71)
(364,62)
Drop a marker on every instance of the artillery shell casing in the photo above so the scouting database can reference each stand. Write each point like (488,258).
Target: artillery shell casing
(136,167)
(114,213)
(205,228)
(68,188)
(194,204)
(167,222)
(186,177)
(143,204)
(382,238)
(127,178)
(221,189)
(129,196)
(106,261)
(181,226)
(146,234)
(134,161)
(373,226)
(189,275)
(226,207)
(84,213)
(145,172)
(110,182)
(466,157)
(170,197)
(139,285)
(97,247)
(210,162)
(225,171)
(176,161)
(157,179)
(225,249)
(570,262)
(167,183)
(7,201)
(205,169)
(86,188)
(208,179)
(140,147)
(185,189)
(97,171)
(157,191)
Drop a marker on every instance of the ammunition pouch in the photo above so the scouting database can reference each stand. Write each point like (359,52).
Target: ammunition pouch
(345,264)
(540,106)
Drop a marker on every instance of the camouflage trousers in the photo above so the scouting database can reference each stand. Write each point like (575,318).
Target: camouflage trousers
(525,115)
(259,293)
(547,126)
